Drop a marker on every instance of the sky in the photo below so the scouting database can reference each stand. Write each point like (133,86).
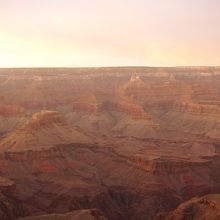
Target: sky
(83,33)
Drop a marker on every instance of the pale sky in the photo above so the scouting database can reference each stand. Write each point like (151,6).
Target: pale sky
(73,33)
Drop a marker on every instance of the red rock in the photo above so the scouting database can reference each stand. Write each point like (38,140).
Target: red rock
(10,111)
(131,147)
(48,168)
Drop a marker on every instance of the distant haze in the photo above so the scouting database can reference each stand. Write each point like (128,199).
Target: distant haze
(38,33)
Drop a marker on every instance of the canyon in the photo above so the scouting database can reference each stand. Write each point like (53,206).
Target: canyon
(119,143)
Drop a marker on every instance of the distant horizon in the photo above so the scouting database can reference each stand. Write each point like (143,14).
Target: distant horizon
(101,33)
(85,67)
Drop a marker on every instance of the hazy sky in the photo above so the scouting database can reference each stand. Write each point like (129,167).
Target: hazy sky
(109,32)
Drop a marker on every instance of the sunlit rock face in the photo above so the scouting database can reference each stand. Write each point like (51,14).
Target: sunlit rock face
(110,143)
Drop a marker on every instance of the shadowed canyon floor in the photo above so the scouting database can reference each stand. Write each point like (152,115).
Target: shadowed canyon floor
(110,143)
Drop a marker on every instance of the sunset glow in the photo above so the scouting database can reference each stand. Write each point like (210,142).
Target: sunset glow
(109,33)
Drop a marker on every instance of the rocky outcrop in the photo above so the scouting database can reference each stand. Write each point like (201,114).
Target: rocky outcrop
(42,131)
(207,207)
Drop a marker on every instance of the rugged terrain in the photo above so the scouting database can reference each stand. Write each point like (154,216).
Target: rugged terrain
(206,207)
(110,143)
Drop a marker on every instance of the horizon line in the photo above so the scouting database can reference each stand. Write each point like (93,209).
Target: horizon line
(88,67)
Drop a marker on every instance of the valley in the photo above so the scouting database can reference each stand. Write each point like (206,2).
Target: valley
(120,143)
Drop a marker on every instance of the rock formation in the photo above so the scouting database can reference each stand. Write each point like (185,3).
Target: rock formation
(110,143)
(207,207)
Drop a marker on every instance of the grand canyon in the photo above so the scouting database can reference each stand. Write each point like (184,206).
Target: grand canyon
(135,143)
